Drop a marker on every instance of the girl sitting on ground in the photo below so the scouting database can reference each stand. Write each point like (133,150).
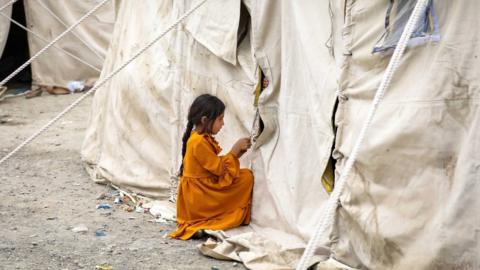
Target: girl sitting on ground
(214,193)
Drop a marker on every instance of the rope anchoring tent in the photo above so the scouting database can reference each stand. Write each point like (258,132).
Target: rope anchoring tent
(46,41)
(72,32)
(22,67)
(328,217)
(7,5)
(101,82)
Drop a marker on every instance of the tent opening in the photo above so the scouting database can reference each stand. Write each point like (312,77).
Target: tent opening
(244,24)
(16,52)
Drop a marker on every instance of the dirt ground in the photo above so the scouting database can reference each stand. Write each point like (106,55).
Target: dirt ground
(45,192)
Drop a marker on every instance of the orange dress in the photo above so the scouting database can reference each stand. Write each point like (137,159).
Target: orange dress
(214,193)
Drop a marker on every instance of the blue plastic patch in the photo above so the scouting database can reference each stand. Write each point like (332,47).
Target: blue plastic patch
(398,13)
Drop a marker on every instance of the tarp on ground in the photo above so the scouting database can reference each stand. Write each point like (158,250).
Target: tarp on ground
(412,199)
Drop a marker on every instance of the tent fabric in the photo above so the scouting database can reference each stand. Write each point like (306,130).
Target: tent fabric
(412,198)
(4,25)
(55,68)
(253,249)
(178,69)
(217,31)
(412,201)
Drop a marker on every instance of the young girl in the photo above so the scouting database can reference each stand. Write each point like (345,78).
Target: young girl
(214,193)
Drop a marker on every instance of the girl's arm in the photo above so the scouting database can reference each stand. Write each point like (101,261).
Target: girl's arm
(217,165)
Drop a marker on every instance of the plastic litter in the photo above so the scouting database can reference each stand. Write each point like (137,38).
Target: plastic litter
(140,209)
(80,228)
(160,220)
(103,206)
(75,86)
(118,200)
(162,211)
(113,193)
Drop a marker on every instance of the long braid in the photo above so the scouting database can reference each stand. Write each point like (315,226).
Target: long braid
(185,137)
(203,106)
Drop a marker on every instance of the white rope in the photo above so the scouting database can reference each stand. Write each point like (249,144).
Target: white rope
(46,41)
(7,4)
(72,32)
(51,43)
(328,218)
(101,83)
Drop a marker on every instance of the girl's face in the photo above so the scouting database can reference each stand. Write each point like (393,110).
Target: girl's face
(217,124)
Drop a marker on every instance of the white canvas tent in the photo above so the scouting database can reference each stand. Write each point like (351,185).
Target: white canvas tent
(49,18)
(412,199)
(4,25)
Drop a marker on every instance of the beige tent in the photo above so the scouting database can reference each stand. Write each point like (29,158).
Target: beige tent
(4,25)
(412,199)
(49,18)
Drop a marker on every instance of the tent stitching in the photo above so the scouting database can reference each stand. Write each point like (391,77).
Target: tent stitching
(327,218)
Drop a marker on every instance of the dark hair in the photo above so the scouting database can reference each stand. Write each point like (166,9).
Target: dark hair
(204,105)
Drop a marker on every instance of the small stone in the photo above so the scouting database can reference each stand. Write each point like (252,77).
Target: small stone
(100,233)
(214,268)
(235,264)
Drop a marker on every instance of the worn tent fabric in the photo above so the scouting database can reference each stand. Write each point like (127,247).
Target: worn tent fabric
(412,200)
(295,146)
(55,68)
(217,31)
(4,25)
(134,137)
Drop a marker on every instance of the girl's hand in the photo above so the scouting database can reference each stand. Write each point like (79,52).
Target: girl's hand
(241,146)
